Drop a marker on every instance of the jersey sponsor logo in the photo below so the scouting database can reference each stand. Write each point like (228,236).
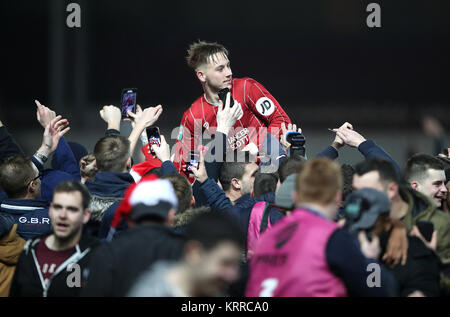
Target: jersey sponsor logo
(239,139)
(265,106)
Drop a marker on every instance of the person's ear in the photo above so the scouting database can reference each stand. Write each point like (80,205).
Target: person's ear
(252,193)
(32,187)
(201,75)
(192,204)
(236,184)
(414,185)
(86,215)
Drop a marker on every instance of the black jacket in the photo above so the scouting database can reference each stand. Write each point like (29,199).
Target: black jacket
(116,265)
(421,271)
(27,282)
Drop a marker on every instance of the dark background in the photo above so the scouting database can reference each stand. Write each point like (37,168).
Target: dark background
(318,58)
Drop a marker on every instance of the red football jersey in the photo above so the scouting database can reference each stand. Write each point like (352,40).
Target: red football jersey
(260,110)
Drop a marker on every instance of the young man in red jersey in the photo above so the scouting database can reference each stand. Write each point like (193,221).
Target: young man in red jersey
(260,110)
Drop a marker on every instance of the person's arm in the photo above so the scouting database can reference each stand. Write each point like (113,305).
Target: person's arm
(214,195)
(329,152)
(142,121)
(65,161)
(184,143)
(226,118)
(368,148)
(112,116)
(265,107)
(53,132)
(163,154)
(332,151)
(340,248)
(275,151)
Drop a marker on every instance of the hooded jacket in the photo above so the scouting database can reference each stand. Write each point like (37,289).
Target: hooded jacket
(27,280)
(421,208)
(11,246)
(106,189)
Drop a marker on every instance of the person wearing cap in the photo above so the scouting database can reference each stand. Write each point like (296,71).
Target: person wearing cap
(149,207)
(368,210)
(11,245)
(53,265)
(306,254)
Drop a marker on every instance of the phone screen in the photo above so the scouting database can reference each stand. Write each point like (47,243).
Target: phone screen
(194,161)
(153,137)
(128,102)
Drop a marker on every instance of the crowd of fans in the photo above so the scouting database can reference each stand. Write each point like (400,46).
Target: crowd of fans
(245,222)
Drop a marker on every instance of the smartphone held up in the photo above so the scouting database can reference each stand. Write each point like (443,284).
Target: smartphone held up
(128,101)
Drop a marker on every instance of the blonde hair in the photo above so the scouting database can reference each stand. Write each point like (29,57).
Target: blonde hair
(199,53)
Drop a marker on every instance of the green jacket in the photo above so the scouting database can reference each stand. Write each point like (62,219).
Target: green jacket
(421,208)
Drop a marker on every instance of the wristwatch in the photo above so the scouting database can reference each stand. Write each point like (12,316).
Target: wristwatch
(42,157)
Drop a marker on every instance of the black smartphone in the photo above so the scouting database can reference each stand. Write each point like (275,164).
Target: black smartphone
(194,161)
(426,229)
(223,96)
(128,101)
(153,137)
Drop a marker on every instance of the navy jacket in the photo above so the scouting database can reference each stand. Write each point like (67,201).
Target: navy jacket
(242,208)
(167,168)
(66,167)
(367,148)
(107,189)
(31,216)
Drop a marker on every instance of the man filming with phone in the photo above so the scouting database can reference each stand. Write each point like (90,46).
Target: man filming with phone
(259,108)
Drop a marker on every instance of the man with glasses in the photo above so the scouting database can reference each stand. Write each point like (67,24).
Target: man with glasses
(20,179)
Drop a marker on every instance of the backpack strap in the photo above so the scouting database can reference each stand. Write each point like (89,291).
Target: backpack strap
(265,218)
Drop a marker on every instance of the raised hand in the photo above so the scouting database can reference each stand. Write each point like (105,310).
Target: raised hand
(112,116)
(349,136)
(54,131)
(200,174)
(44,114)
(285,130)
(163,151)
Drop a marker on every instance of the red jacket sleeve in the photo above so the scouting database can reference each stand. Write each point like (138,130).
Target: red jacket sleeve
(265,107)
(184,143)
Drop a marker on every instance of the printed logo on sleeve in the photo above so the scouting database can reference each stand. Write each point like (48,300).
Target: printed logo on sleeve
(265,106)
(180,133)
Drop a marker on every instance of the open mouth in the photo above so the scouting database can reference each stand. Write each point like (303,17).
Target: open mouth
(62,227)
